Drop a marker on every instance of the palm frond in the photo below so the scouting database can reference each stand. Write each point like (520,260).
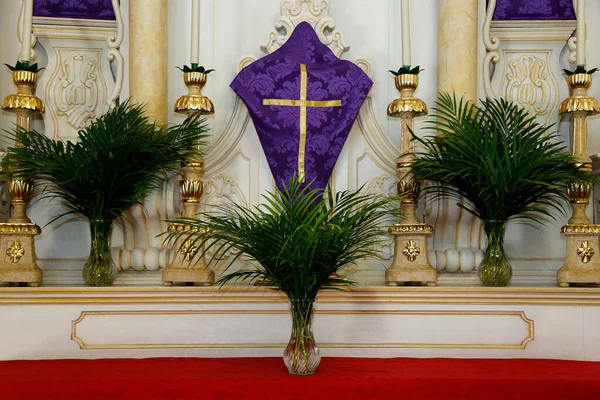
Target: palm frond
(498,158)
(119,158)
(297,237)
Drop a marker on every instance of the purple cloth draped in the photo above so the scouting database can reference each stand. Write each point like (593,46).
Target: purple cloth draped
(84,9)
(277,76)
(534,10)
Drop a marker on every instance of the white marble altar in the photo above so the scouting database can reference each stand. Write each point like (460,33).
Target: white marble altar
(139,318)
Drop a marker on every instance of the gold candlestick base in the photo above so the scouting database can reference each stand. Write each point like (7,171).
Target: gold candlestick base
(18,264)
(17,237)
(188,266)
(410,265)
(581,266)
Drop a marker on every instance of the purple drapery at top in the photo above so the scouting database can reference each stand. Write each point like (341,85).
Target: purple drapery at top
(84,9)
(534,10)
(335,91)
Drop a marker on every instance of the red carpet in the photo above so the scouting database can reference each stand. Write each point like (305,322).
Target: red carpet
(267,378)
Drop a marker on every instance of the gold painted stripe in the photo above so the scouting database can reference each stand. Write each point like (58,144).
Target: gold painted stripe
(521,314)
(300,103)
(341,299)
(351,291)
(302,144)
(303,104)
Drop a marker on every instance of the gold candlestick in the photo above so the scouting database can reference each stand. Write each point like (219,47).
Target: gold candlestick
(411,262)
(189,265)
(581,264)
(17,236)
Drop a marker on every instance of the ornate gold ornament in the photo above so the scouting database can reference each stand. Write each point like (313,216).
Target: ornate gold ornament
(191,190)
(188,250)
(580,101)
(15,251)
(186,229)
(194,101)
(411,251)
(411,190)
(20,190)
(587,229)
(407,84)
(24,228)
(585,251)
(24,99)
(579,192)
(410,228)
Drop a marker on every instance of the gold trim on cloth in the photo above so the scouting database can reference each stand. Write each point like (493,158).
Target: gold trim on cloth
(303,103)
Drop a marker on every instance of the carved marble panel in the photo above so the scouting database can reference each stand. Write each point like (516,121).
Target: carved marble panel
(77,89)
(529,80)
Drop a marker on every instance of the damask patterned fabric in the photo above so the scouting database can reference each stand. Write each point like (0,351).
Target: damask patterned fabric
(85,9)
(302,72)
(534,10)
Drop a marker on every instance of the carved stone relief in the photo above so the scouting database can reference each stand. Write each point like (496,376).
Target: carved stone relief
(529,81)
(78,88)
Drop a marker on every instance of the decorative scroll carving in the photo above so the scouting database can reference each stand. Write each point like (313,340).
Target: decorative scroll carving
(492,44)
(316,13)
(530,82)
(78,90)
(222,190)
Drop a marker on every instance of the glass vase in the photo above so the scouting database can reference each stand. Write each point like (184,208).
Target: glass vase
(301,355)
(99,269)
(495,270)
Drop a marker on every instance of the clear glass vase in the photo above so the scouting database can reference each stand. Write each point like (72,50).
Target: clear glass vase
(301,355)
(99,269)
(495,270)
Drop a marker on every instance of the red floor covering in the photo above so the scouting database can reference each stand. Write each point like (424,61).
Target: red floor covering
(267,378)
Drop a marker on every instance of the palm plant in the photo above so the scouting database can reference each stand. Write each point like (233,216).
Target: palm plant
(119,159)
(503,163)
(297,239)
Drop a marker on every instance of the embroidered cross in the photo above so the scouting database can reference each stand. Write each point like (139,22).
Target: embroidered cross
(303,103)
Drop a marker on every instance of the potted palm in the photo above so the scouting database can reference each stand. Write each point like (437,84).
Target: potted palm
(119,159)
(297,238)
(503,163)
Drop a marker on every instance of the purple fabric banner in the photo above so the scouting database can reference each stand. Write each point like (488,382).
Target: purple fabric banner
(84,9)
(303,101)
(534,10)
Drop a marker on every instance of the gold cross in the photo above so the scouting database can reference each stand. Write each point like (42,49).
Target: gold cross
(303,103)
